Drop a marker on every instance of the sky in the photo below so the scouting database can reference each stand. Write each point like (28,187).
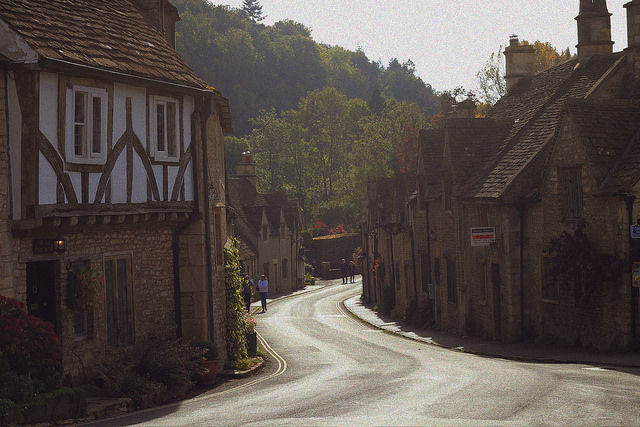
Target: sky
(449,42)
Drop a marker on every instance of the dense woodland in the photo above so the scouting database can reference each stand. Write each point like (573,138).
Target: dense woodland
(320,120)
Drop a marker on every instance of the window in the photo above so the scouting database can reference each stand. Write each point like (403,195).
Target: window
(119,301)
(86,140)
(164,128)
(265,231)
(571,188)
(285,267)
(82,320)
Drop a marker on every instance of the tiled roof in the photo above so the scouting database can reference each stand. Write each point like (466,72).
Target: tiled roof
(535,105)
(605,129)
(109,35)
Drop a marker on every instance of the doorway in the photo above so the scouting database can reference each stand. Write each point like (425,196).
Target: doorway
(41,290)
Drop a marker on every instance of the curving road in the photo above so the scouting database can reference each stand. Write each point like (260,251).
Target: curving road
(327,368)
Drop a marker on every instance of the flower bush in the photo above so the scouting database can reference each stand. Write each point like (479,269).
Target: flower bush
(320,229)
(250,323)
(29,345)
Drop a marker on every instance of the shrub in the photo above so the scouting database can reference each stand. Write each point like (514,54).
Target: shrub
(16,387)
(28,344)
(209,349)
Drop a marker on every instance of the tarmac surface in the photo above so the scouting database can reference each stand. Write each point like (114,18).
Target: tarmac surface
(523,351)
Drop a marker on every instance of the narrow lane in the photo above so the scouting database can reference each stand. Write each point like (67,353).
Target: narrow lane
(327,368)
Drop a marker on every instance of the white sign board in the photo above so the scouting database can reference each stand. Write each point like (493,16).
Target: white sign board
(483,236)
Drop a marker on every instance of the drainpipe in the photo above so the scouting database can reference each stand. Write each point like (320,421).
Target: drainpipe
(6,112)
(629,201)
(521,212)
(207,214)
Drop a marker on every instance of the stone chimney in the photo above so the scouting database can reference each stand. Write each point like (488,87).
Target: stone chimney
(594,30)
(519,61)
(633,34)
(162,15)
(247,169)
(466,109)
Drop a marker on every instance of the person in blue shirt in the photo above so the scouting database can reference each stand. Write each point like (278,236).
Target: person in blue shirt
(263,289)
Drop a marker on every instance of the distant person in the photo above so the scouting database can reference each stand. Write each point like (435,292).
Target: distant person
(345,270)
(263,289)
(352,271)
(247,285)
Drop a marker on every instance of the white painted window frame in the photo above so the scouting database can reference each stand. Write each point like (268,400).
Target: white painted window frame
(89,156)
(157,153)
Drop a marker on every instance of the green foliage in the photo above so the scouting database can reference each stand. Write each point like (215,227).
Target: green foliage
(235,308)
(16,387)
(261,67)
(307,238)
(210,349)
(157,362)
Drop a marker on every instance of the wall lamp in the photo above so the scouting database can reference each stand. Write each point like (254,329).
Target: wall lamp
(60,245)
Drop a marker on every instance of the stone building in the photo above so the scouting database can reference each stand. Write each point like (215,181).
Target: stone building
(556,152)
(268,227)
(111,161)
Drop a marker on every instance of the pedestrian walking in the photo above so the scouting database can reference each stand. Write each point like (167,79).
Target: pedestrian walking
(352,271)
(247,286)
(263,289)
(345,271)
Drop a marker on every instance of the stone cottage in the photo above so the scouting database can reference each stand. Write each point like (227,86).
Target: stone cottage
(556,152)
(268,227)
(112,162)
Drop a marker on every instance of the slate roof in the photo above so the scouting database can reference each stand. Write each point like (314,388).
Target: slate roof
(110,35)
(535,105)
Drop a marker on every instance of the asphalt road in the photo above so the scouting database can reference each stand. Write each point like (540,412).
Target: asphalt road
(327,368)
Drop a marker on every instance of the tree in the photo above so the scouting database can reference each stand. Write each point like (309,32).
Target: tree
(491,78)
(252,9)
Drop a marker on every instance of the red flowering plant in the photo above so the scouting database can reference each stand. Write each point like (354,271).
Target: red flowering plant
(339,229)
(320,229)
(28,344)
(378,269)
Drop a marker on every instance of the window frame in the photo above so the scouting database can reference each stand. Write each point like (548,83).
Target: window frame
(89,155)
(164,153)
(572,193)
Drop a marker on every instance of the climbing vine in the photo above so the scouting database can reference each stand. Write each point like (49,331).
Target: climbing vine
(235,310)
(575,256)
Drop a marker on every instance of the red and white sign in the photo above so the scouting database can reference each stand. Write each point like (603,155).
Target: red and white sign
(483,236)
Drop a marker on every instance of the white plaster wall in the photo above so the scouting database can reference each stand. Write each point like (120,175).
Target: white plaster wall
(48,105)
(139,188)
(173,173)
(119,180)
(94,180)
(188,182)
(138,112)
(157,171)
(188,108)
(48,183)
(15,144)
(76,181)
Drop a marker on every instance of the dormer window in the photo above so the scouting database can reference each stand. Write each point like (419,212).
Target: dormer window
(86,136)
(164,128)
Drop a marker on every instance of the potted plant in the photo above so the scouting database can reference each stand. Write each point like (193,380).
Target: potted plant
(209,364)
(250,333)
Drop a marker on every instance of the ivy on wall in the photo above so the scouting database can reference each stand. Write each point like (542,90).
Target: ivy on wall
(575,256)
(235,308)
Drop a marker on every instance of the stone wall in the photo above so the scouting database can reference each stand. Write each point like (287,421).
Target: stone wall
(148,250)
(6,244)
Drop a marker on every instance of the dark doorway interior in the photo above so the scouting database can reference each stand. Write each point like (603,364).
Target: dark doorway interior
(41,290)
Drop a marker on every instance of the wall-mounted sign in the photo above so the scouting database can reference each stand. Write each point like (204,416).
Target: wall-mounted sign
(636,275)
(635,231)
(483,236)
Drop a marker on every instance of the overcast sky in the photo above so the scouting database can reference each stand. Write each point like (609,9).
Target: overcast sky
(449,41)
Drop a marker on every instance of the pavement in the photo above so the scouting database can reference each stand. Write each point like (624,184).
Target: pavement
(523,351)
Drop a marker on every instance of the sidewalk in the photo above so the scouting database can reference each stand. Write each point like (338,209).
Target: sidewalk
(519,351)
